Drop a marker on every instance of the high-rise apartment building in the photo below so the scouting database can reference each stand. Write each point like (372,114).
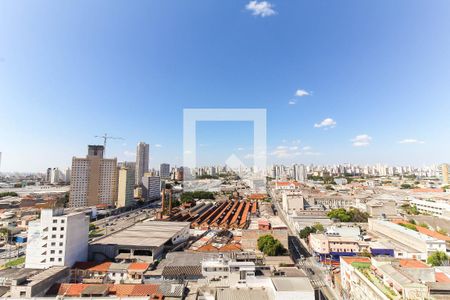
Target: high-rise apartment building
(164,171)
(57,239)
(93,179)
(125,189)
(142,157)
(444,174)
(67,177)
(300,173)
(151,187)
(54,176)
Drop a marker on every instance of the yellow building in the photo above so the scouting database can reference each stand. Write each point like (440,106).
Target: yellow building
(125,189)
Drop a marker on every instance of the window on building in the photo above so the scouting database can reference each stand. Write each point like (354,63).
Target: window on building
(52,259)
(55,221)
(53,236)
(61,236)
(60,259)
(54,228)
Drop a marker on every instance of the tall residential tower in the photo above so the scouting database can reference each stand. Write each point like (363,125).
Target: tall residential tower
(142,157)
(93,179)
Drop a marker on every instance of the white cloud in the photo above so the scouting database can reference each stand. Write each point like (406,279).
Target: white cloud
(296,142)
(361,140)
(302,93)
(158,146)
(292,102)
(129,153)
(411,141)
(312,153)
(240,149)
(281,153)
(326,123)
(263,8)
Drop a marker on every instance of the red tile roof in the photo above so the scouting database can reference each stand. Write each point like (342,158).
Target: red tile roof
(230,247)
(427,231)
(207,248)
(71,289)
(427,190)
(412,263)
(257,196)
(120,290)
(351,260)
(84,265)
(138,266)
(287,183)
(103,267)
(442,277)
(144,290)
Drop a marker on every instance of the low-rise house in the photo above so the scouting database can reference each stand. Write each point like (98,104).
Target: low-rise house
(38,284)
(107,272)
(331,248)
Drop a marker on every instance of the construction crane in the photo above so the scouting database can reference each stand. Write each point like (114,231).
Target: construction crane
(106,137)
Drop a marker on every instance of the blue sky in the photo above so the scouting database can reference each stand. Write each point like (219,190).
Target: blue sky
(380,70)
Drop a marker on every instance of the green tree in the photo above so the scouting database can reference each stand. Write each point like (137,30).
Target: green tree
(366,253)
(4,233)
(318,227)
(340,214)
(442,231)
(189,196)
(329,187)
(305,232)
(438,258)
(424,225)
(274,249)
(406,186)
(412,221)
(270,246)
(409,226)
(358,216)
(5,194)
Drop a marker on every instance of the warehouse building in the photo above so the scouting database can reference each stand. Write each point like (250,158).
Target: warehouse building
(143,242)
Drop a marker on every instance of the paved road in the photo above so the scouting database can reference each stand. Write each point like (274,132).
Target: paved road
(317,274)
(114,223)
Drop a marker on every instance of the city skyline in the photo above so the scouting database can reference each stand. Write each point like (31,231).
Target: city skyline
(373,89)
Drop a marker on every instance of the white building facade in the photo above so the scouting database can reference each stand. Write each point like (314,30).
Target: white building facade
(57,239)
(436,208)
(151,188)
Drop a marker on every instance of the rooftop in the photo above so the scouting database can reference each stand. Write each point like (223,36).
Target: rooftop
(241,294)
(146,234)
(405,230)
(290,284)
